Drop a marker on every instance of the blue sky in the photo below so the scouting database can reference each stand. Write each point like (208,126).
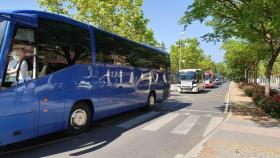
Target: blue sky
(163,16)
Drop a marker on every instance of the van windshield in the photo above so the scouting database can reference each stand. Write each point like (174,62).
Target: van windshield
(190,75)
(2,31)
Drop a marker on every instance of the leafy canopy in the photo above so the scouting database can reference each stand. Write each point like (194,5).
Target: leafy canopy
(243,56)
(123,17)
(254,20)
(192,56)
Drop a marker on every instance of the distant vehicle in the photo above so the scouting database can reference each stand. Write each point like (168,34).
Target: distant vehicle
(218,80)
(190,80)
(70,74)
(209,79)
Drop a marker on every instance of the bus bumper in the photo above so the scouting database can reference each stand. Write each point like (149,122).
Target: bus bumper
(188,89)
(209,85)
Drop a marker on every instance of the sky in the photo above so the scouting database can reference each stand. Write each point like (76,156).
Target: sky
(163,18)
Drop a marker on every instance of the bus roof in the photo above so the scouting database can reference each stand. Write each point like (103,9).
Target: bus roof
(65,19)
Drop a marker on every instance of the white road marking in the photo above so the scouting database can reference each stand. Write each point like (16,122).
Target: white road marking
(202,111)
(227,100)
(160,122)
(214,122)
(199,146)
(179,156)
(76,152)
(186,125)
(137,120)
(207,115)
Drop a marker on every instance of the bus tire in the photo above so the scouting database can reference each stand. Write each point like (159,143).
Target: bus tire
(79,119)
(151,101)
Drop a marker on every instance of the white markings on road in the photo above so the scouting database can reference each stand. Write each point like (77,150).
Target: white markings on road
(186,125)
(207,115)
(214,122)
(179,156)
(202,111)
(227,100)
(160,122)
(77,152)
(137,120)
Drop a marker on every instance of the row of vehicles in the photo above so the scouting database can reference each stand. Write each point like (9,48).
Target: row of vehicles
(60,74)
(195,80)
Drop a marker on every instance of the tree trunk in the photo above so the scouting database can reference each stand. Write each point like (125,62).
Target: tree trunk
(246,76)
(256,76)
(269,71)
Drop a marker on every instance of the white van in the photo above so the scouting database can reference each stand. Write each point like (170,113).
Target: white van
(190,80)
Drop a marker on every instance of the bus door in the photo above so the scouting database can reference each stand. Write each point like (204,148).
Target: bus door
(143,84)
(158,83)
(166,89)
(18,105)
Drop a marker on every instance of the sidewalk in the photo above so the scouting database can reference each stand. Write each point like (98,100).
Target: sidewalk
(247,133)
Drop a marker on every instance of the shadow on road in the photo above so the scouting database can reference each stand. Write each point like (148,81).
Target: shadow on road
(221,108)
(102,133)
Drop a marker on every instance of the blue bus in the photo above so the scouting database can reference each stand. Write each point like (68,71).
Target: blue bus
(60,74)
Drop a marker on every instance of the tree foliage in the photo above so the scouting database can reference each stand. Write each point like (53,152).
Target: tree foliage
(162,46)
(123,17)
(192,56)
(254,20)
(221,68)
(242,59)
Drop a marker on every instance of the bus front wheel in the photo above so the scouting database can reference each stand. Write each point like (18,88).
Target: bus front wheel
(79,119)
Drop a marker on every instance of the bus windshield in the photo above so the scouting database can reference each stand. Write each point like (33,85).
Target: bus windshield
(207,76)
(2,31)
(190,75)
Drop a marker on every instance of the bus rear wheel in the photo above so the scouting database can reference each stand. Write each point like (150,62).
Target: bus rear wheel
(79,119)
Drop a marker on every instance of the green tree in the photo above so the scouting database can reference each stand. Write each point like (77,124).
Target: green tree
(206,63)
(254,20)
(192,56)
(162,46)
(242,59)
(123,17)
(221,68)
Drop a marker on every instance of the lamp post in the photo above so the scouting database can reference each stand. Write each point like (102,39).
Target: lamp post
(180,45)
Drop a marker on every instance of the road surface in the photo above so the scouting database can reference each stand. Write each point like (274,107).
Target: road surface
(171,130)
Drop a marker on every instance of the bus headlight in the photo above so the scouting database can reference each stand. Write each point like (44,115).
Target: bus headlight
(194,85)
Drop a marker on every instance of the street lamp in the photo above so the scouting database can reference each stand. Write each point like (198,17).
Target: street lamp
(180,45)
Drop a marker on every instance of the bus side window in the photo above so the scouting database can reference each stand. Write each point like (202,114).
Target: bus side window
(61,45)
(119,51)
(20,58)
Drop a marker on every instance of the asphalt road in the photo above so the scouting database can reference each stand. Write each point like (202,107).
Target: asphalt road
(171,130)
